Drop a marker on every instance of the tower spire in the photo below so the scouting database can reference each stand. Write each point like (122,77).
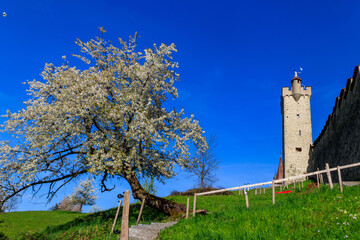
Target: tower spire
(296,87)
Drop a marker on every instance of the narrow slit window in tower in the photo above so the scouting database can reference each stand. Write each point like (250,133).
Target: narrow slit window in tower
(298,149)
(298,115)
(299,132)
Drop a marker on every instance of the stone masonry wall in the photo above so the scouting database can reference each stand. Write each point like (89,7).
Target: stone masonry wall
(297,133)
(339,142)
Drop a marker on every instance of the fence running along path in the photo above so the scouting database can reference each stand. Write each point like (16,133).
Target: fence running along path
(116,217)
(318,174)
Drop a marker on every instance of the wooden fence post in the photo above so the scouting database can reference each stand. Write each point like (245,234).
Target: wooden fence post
(302,183)
(187,208)
(255,191)
(294,183)
(246,200)
(194,207)
(299,186)
(273,192)
(280,187)
(116,217)
(264,189)
(340,179)
(328,173)
(125,217)
(141,209)
(317,180)
(321,177)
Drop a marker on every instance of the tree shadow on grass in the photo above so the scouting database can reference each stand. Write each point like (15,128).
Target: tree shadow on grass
(100,218)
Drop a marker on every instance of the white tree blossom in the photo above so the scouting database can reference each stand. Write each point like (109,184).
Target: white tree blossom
(84,194)
(108,119)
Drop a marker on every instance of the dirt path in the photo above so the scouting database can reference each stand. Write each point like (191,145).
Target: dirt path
(148,231)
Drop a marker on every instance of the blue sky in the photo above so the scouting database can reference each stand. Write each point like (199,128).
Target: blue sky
(234,58)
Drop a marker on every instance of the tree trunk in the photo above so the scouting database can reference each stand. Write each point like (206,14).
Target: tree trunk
(168,207)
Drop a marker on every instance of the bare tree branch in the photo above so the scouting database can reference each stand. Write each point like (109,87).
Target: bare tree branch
(205,165)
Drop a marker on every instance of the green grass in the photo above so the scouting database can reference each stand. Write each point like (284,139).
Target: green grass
(315,214)
(98,225)
(11,224)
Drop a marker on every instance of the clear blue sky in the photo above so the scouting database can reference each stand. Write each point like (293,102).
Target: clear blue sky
(234,57)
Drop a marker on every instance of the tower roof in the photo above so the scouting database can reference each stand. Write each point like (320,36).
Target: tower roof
(280,171)
(295,78)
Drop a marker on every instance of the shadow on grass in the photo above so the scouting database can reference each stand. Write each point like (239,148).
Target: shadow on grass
(100,218)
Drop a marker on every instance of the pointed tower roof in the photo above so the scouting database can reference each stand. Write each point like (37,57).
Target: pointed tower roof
(295,77)
(280,171)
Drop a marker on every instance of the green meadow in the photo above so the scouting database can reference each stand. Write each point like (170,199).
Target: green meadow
(310,213)
(305,214)
(11,224)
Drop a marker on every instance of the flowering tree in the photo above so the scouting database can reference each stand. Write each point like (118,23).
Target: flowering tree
(84,194)
(108,120)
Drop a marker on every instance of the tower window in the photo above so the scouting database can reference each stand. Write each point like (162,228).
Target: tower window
(298,115)
(298,149)
(299,132)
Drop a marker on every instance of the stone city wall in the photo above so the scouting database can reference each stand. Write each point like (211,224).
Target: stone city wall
(339,142)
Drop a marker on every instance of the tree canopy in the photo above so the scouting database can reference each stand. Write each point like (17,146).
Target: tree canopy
(107,119)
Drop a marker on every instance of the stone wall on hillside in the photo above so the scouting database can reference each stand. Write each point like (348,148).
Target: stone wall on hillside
(339,142)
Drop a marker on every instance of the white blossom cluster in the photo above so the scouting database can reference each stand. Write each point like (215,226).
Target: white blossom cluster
(84,193)
(108,120)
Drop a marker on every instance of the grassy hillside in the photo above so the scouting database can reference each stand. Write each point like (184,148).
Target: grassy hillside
(309,213)
(69,225)
(306,214)
(98,225)
(11,224)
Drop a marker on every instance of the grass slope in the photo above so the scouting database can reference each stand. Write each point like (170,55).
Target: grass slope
(70,225)
(11,224)
(98,225)
(311,214)
(315,214)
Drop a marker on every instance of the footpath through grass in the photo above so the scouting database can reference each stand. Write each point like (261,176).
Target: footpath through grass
(305,214)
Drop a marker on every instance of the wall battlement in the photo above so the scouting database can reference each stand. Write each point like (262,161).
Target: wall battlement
(286,91)
(339,141)
(346,96)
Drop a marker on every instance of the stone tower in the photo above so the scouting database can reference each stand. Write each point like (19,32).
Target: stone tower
(297,131)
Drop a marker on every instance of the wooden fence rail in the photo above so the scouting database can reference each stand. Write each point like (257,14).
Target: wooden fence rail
(318,174)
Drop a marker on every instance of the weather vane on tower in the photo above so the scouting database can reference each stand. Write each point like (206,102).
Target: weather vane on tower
(296,73)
